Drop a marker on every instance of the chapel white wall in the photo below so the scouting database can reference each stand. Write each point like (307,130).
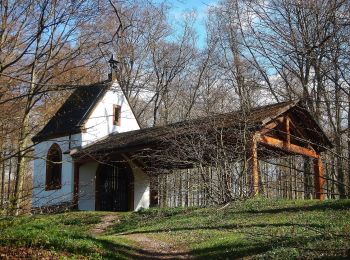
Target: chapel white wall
(98,125)
(41,197)
(100,122)
(141,187)
(87,184)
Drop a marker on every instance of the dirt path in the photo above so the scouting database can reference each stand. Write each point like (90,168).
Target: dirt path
(106,221)
(147,248)
(155,249)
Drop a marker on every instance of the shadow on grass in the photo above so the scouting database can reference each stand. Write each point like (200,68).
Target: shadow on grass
(233,227)
(326,205)
(258,244)
(257,237)
(292,249)
(241,249)
(114,250)
(257,241)
(102,248)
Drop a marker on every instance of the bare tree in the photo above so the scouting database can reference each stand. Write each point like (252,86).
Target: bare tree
(39,41)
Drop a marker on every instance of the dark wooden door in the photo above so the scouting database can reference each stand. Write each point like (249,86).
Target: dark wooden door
(113,185)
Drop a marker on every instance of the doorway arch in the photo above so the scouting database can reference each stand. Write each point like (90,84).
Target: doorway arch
(114,187)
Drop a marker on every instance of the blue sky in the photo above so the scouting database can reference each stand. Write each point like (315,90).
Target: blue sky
(179,7)
(191,4)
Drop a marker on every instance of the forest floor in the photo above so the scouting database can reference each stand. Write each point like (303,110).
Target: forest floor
(253,229)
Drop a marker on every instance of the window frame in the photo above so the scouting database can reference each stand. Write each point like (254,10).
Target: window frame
(51,167)
(119,109)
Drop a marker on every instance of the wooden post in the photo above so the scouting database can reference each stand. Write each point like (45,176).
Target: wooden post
(254,167)
(76,185)
(287,131)
(318,178)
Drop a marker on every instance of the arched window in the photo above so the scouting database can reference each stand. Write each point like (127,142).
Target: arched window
(53,168)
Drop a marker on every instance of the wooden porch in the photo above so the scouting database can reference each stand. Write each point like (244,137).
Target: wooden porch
(273,131)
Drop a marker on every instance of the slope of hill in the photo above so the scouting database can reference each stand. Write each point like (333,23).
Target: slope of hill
(256,228)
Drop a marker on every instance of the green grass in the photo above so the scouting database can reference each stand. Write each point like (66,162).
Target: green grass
(67,233)
(256,228)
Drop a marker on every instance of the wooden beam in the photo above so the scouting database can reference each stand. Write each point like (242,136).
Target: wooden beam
(270,126)
(301,132)
(292,148)
(137,161)
(287,126)
(303,136)
(318,178)
(283,145)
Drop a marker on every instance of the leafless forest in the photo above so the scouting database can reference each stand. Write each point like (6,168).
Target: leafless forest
(255,52)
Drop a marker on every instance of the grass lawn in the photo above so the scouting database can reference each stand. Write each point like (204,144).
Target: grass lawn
(66,235)
(256,228)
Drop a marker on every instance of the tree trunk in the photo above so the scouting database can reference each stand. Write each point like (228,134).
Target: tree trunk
(187,187)
(21,165)
(9,180)
(2,183)
(348,143)
(340,170)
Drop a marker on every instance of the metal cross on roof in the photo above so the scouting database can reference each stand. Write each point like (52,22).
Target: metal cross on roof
(112,62)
